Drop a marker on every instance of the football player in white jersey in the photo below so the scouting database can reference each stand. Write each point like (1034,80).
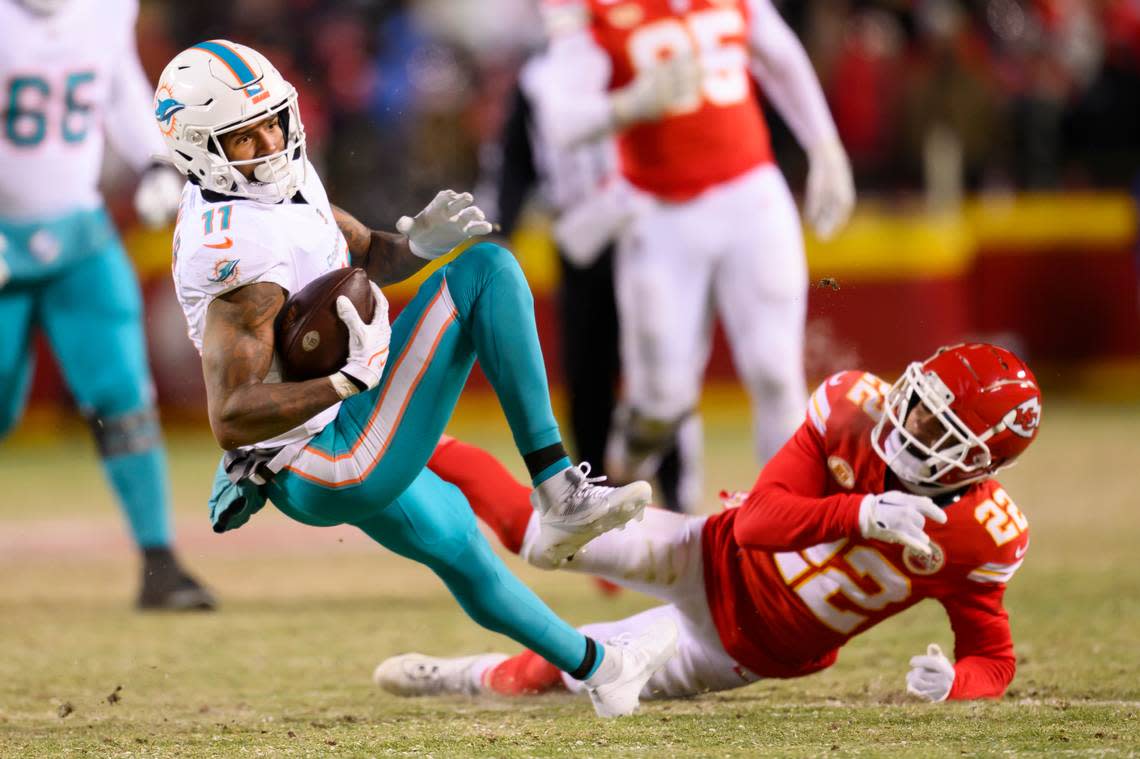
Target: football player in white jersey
(71,79)
(254,226)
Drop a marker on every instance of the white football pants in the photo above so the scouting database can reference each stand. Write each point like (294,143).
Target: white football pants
(661,557)
(735,251)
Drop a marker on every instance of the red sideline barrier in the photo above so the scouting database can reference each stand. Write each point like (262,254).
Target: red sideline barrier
(1052,277)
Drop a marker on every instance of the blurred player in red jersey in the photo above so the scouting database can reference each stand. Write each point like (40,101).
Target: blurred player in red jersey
(714,224)
(882,498)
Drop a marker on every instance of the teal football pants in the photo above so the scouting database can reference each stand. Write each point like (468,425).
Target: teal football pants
(90,311)
(367,467)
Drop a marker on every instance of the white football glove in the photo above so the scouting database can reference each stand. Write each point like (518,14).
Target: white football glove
(367,345)
(931,676)
(897,517)
(830,193)
(158,195)
(585,229)
(449,219)
(673,84)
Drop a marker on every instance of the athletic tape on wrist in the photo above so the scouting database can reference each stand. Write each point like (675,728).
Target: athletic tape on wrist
(343,385)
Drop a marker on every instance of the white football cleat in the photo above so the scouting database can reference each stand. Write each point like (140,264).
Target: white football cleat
(573,510)
(421,675)
(629,663)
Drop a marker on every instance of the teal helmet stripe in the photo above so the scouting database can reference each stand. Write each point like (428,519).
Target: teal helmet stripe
(230,58)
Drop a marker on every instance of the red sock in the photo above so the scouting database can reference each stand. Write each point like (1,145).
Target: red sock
(524,675)
(496,497)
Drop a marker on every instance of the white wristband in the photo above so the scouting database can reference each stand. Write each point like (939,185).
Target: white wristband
(344,387)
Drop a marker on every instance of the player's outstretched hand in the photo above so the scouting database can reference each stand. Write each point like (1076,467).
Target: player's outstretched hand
(670,85)
(449,219)
(830,193)
(367,343)
(931,676)
(897,517)
(158,195)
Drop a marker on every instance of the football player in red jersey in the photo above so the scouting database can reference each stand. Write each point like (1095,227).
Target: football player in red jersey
(714,227)
(883,497)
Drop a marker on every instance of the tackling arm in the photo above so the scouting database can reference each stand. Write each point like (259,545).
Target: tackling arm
(237,351)
(786,510)
(983,647)
(385,256)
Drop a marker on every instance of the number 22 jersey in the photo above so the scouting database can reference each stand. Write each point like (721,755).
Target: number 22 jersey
(790,579)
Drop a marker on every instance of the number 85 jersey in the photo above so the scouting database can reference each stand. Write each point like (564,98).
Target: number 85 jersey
(790,579)
(717,136)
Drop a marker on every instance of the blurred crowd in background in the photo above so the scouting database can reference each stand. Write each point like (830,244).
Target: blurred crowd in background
(933,98)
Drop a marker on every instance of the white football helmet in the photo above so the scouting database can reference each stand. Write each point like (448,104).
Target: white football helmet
(216,87)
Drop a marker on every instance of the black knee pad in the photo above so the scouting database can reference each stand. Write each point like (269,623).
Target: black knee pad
(644,434)
(133,432)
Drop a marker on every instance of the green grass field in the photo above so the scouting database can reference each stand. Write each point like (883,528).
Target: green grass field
(284,668)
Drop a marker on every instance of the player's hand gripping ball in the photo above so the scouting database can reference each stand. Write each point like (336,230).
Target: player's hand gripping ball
(311,339)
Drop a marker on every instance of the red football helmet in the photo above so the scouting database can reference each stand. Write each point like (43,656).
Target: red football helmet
(984,409)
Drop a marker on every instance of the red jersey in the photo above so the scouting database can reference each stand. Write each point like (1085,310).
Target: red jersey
(718,136)
(790,579)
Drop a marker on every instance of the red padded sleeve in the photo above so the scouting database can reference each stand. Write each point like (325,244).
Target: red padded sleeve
(787,509)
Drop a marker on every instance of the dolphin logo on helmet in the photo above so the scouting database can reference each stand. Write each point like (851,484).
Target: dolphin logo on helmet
(216,87)
(166,109)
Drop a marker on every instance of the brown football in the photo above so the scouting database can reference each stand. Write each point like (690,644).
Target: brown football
(311,339)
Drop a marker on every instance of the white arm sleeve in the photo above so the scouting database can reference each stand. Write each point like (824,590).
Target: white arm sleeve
(130,124)
(785,74)
(574,106)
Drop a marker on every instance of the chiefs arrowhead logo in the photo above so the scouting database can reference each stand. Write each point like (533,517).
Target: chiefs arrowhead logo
(842,471)
(1025,418)
(921,564)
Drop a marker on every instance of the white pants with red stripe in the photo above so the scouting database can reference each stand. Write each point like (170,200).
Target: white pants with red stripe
(661,557)
(734,252)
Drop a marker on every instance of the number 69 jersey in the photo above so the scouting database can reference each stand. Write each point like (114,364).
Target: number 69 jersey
(790,578)
(67,80)
(721,134)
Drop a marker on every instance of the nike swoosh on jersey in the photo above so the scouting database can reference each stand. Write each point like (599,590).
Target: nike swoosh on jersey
(229,243)
(1020,551)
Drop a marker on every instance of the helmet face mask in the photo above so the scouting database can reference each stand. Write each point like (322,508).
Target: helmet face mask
(276,176)
(218,87)
(946,455)
(957,418)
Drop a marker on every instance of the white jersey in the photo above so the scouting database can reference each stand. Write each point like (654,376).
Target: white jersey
(568,176)
(222,243)
(67,80)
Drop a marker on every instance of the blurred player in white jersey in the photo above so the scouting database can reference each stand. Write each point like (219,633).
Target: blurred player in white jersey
(715,228)
(71,80)
(590,205)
